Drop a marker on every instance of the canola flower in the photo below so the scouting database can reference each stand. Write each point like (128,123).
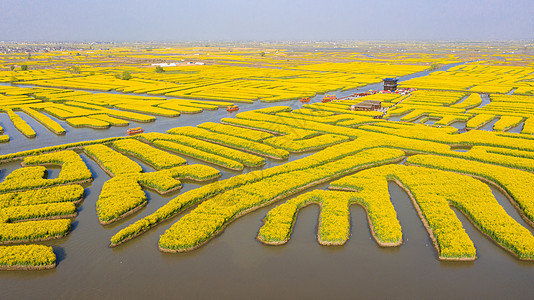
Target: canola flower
(321,118)
(505,149)
(274,128)
(507,122)
(293,143)
(433,190)
(64,193)
(516,183)
(111,120)
(198,195)
(334,222)
(73,170)
(244,133)
(213,215)
(199,154)
(231,141)
(112,161)
(147,109)
(21,125)
(33,230)
(45,120)
(27,257)
(38,212)
(204,150)
(44,150)
(123,194)
(157,158)
(299,123)
(87,122)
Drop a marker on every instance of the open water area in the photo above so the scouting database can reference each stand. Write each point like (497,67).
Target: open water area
(236,265)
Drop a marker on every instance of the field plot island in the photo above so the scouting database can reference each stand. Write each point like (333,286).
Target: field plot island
(185,140)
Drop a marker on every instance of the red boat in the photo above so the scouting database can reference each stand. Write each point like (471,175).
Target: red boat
(232,108)
(135,130)
(305,100)
(328,98)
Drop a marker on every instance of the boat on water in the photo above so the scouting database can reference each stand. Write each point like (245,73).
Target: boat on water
(135,130)
(232,108)
(328,98)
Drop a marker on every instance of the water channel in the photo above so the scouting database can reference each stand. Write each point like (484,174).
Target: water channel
(235,265)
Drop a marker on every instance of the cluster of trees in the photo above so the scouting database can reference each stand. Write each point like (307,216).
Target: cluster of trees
(124,76)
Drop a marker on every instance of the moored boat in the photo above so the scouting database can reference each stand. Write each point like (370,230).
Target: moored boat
(328,98)
(135,130)
(232,108)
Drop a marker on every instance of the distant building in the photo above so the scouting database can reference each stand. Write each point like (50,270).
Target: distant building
(367,105)
(390,84)
(164,65)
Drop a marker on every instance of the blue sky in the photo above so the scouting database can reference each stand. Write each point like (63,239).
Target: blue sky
(133,20)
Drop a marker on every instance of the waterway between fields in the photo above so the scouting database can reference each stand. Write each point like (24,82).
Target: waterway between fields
(235,265)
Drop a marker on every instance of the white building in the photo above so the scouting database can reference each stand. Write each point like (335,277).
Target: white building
(164,65)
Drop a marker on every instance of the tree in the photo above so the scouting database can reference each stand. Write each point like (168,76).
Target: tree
(126,75)
(12,67)
(262,54)
(433,67)
(24,67)
(29,56)
(159,69)
(75,69)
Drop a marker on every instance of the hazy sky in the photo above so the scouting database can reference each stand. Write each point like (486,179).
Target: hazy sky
(133,20)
